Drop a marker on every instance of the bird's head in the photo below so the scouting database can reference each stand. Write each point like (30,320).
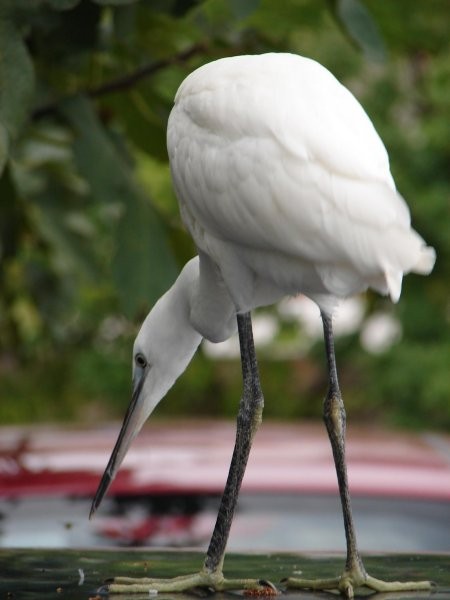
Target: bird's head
(162,350)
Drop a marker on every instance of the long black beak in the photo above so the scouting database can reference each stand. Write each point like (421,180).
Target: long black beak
(130,428)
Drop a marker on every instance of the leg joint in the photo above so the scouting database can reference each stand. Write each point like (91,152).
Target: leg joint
(334,414)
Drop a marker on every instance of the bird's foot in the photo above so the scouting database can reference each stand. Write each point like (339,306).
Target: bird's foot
(214,581)
(355,578)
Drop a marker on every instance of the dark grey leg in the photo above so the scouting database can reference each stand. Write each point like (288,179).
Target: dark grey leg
(248,420)
(335,422)
(354,575)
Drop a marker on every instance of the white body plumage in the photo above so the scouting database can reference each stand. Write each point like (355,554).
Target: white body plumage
(285,185)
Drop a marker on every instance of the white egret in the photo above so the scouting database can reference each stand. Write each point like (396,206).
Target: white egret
(285,187)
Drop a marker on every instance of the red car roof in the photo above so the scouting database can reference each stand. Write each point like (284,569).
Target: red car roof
(193,457)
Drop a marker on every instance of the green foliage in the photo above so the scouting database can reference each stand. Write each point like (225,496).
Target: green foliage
(89,225)
(140,239)
(361,28)
(415,395)
(16,85)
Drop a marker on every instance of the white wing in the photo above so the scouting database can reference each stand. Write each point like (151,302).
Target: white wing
(272,153)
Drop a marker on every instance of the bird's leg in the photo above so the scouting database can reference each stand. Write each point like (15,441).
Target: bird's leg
(335,422)
(248,420)
(354,574)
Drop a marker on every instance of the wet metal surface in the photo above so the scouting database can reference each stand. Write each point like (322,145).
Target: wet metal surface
(77,574)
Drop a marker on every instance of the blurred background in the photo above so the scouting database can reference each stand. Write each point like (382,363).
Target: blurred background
(90,230)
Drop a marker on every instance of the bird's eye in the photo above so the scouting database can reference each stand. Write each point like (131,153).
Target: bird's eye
(140,360)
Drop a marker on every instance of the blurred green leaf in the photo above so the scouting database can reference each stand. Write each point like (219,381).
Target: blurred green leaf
(144,117)
(16,85)
(277,27)
(244,8)
(143,266)
(213,17)
(72,248)
(406,30)
(95,155)
(361,28)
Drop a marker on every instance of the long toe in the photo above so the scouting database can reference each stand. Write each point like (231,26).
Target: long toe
(378,585)
(203,579)
(349,582)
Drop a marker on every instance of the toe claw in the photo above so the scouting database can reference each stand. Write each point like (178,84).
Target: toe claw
(103,590)
(268,584)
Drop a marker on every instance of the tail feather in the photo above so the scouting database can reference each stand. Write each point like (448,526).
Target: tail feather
(394,284)
(423,266)
(426,261)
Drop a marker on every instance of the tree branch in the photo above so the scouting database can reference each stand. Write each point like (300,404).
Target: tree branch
(122,83)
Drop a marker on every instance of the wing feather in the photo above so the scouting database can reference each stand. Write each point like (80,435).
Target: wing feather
(294,167)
